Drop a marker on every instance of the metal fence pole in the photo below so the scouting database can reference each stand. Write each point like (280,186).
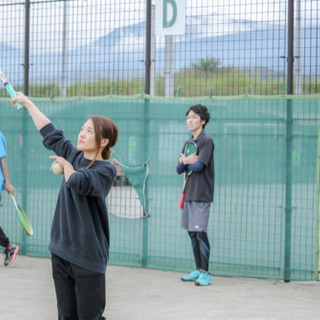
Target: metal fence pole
(26,47)
(289,140)
(24,149)
(64,52)
(148,48)
(145,222)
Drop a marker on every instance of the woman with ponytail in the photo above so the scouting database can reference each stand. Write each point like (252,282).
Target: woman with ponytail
(79,240)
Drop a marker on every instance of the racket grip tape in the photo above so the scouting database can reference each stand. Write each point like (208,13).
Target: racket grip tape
(13,94)
(181,201)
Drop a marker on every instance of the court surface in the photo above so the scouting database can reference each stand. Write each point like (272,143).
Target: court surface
(27,293)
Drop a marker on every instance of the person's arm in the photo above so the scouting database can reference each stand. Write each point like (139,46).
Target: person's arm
(5,170)
(196,167)
(184,162)
(181,168)
(66,166)
(93,181)
(39,119)
(188,160)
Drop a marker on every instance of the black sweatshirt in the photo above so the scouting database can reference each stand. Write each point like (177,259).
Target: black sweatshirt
(80,227)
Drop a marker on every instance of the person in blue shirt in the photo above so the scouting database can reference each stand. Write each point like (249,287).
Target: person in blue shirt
(199,193)
(10,250)
(79,239)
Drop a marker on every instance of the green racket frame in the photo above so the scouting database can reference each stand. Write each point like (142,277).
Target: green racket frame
(22,217)
(189,148)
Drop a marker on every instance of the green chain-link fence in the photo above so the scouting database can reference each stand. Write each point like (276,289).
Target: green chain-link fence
(264,219)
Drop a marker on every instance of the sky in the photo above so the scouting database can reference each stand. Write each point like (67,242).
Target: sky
(88,20)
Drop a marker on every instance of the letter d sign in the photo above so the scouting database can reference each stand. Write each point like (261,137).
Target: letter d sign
(166,23)
(170,17)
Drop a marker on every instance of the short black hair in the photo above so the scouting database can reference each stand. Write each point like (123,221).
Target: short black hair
(201,111)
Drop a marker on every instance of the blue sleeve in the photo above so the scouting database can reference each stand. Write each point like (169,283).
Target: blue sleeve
(3,152)
(181,168)
(196,167)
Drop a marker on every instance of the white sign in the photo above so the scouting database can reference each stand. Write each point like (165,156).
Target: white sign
(170,17)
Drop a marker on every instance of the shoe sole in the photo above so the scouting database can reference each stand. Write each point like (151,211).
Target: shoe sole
(202,285)
(188,280)
(14,256)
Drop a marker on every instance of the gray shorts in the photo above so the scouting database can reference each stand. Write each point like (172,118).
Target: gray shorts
(195,216)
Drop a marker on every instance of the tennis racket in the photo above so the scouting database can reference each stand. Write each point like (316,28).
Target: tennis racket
(9,88)
(189,148)
(22,217)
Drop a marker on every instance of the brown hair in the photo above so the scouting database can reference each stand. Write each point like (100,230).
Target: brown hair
(104,128)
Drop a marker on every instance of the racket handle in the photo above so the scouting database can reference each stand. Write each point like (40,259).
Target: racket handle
(181,201)
(13,94)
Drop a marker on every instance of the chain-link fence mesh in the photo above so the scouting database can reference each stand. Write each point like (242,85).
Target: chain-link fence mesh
(257,188)
(96,48)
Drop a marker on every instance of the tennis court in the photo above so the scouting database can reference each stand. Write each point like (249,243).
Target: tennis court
(264,224)
(27,293)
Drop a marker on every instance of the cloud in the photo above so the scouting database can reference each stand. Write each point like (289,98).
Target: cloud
(89,20)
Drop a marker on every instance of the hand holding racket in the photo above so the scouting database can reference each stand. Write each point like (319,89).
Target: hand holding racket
(22,217)
(9,88)
(190,148)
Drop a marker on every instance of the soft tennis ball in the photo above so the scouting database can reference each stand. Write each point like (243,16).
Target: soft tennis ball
(57,169)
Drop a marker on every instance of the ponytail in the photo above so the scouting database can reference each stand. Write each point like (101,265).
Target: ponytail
(104,128)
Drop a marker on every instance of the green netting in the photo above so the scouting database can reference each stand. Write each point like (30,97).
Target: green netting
(137,177)
(264,219)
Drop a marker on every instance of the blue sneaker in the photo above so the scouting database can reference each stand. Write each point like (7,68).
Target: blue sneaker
(204,279)
(193,276)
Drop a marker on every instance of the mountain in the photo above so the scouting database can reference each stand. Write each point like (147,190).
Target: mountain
(120,54)
(11,62)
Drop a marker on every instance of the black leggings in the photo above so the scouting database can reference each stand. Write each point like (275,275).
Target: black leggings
(201,249)
(4,240)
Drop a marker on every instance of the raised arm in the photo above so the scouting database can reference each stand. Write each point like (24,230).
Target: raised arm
(5,170)
(39,119)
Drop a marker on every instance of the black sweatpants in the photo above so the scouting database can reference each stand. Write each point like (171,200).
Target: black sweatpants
(81,294)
